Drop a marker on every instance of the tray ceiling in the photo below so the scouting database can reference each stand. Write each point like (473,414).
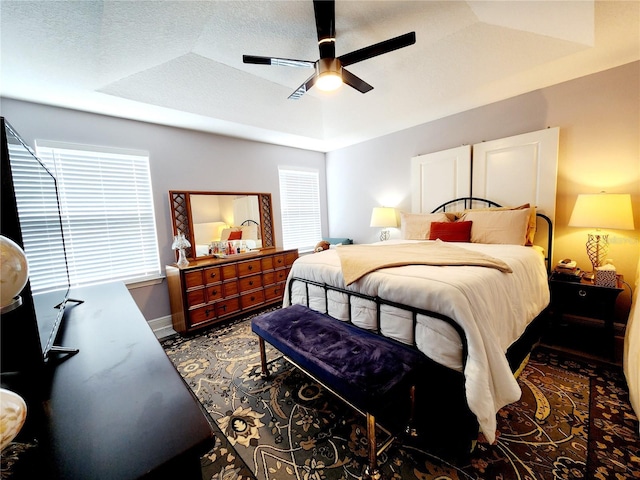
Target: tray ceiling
(180,63)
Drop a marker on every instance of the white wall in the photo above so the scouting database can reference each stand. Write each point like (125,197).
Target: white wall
(179,159)
(599,120)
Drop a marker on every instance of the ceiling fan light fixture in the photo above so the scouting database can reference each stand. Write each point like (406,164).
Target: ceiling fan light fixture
(329,72)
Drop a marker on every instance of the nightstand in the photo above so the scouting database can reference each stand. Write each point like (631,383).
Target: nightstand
(584,299)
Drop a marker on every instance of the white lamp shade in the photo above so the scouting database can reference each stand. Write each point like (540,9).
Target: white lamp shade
(384,217)
(14,270)
(603,210)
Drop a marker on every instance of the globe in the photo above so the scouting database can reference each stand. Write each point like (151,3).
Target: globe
(14,270)
(13,413)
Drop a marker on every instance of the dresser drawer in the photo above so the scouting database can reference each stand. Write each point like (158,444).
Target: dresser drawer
(266,263)
(214,292)
(193,279)
(195,297)
(290,257)
(212,275)
(268,278)
(248,268)
(227,307)
(203,314)
(229,271)
(273,292)
(278,261)
(250,283)
(230,289)
(251,299)
(281,275)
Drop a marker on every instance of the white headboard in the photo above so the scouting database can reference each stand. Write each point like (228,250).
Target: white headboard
(510,171)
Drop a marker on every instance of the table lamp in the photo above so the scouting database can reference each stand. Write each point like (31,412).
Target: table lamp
(601,210)
(384,217)
(180,243)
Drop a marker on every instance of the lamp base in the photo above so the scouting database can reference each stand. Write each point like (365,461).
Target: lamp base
(384,235)
(597,249)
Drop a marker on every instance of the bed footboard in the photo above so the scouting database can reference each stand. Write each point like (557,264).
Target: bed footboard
(378,302)
(443,420)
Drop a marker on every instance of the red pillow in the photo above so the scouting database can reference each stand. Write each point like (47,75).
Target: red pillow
(451,231)
(235,235)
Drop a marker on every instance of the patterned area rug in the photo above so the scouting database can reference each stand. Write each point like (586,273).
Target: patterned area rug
(573,421)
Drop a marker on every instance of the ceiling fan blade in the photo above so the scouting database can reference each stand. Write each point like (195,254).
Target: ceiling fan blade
(378,49)
(355,82)
(304,88)
(325,12)
(285,62)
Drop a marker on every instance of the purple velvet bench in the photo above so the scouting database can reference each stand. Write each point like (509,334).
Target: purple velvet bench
(370,372)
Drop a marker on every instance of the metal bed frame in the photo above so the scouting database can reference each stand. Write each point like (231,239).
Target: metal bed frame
(520,349)
(467,203)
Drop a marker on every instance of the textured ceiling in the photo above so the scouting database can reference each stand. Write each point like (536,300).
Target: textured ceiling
(180,63)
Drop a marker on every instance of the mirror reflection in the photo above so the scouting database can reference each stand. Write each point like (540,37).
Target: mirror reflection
(221,218)
(211,219)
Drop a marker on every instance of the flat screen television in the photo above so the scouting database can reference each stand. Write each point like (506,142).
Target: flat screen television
(41,235)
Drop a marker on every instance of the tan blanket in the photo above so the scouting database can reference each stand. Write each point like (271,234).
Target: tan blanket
(358,260)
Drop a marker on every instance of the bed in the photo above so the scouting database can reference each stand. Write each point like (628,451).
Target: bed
(474,322)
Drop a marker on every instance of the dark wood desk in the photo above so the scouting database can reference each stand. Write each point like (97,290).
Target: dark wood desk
(118,409)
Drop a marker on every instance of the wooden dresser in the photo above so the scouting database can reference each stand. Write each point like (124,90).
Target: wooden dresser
(212,290)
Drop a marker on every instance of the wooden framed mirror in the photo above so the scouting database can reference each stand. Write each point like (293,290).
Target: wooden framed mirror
(205,217)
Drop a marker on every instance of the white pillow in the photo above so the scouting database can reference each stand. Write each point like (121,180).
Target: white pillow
(498,226)
(249,232)
(416,226)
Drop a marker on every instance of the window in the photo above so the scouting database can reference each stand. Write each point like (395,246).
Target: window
(107,214)
(300,208)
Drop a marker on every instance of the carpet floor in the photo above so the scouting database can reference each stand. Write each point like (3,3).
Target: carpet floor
(573,421)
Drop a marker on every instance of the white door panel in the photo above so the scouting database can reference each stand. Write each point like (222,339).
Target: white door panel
(439,177)
(519,169)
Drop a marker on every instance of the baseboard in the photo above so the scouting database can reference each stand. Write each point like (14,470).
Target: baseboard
(162,327)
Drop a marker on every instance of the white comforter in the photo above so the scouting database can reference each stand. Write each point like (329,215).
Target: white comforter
(492,307)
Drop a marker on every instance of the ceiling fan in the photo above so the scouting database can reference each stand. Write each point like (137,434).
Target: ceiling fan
(329,70)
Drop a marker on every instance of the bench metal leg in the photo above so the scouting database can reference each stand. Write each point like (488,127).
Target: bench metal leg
(263,358)
(411,428)
(371,471)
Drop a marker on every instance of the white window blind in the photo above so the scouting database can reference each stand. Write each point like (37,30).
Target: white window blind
(300,208)
(107,214)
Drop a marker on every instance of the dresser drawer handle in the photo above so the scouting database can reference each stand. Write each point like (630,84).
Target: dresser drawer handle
(213,275)
(208,312)
(250,283)
(582,293)
(214,292)
(250,267)
(252,298)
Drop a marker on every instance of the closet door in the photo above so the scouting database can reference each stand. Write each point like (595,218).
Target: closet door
(519,169)
(439,177)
